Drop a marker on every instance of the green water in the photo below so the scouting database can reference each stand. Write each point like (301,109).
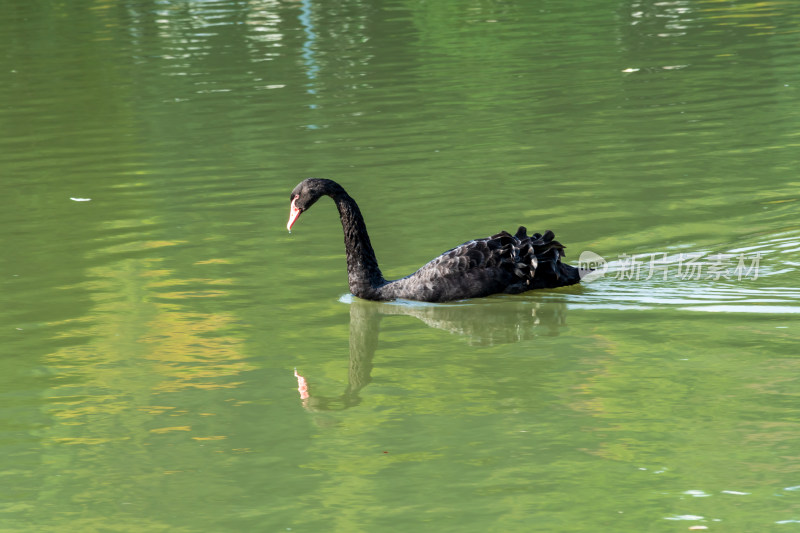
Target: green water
(154,310)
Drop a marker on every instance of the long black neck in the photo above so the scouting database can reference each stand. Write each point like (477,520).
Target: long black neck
(362,267)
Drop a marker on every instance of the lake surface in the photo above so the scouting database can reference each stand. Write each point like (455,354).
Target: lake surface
(171,359)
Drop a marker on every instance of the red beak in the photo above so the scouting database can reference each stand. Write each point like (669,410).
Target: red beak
(294,212)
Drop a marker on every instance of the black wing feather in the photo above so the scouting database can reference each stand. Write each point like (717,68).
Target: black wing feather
(500,263)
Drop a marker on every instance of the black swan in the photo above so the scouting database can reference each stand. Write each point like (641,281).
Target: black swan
(502,263)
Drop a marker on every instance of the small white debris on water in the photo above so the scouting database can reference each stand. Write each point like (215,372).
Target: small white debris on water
(697,493)
(631,70)
(80,199)
(685,517)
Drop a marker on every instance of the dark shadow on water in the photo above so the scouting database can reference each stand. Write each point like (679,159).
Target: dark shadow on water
(486,323)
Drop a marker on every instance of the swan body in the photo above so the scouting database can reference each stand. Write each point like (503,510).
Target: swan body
(502,263)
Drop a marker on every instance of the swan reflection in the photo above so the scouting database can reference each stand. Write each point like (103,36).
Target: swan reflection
(483,323)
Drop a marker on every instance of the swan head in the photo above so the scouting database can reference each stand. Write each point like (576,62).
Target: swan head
(307,193)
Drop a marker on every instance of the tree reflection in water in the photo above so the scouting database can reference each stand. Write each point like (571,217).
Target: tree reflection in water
(491,322)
